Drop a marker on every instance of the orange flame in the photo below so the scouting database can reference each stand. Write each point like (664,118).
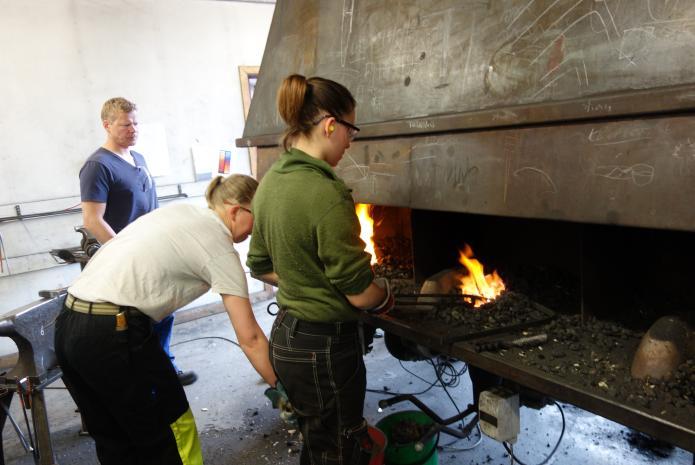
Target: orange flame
(366,229)
(477,282)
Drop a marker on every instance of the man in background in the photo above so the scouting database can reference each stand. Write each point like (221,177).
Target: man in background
(116,188)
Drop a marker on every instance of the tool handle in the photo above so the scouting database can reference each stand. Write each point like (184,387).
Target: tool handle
(529,340)
(508,343)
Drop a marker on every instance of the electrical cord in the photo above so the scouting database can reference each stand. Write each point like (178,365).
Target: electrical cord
(445,367)
(552,452)
(439,368)
(394,393)
(448,448)
(205,337)
(442,367)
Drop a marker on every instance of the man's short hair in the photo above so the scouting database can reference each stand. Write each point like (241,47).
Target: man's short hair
(113,106)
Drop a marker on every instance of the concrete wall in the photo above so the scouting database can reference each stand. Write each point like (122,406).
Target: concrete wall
(60,60)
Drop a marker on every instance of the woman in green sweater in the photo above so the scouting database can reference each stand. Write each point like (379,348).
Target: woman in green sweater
(306,242)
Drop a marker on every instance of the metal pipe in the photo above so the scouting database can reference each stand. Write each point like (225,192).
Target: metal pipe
(383,403)
(19,216)
(16,427)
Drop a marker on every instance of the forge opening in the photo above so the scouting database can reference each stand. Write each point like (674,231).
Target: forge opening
(627,275)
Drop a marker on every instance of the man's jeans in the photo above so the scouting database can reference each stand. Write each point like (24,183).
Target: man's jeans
(163,330)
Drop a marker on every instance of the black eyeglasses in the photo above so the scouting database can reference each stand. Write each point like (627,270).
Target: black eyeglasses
(352,129)
(240,206)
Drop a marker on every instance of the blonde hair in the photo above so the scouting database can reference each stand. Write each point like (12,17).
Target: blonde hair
(300,100)
(113,106)
(236,188)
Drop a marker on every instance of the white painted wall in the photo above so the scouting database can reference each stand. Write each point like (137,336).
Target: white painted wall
(60,60)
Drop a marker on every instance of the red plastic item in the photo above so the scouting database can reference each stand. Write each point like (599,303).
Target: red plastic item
(379,439)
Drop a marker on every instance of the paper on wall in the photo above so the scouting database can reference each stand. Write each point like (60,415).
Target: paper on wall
(152,144)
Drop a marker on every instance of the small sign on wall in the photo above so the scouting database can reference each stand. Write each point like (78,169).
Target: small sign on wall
(225,161)
(209,161)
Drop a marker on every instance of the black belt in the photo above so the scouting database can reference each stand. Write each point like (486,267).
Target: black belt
(319,328)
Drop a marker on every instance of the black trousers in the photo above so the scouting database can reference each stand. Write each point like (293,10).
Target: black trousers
(124,385)
(322,369)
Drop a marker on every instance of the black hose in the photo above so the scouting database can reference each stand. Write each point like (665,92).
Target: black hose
(552,452)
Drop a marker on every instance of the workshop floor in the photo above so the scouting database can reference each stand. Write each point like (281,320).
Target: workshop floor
(237,425)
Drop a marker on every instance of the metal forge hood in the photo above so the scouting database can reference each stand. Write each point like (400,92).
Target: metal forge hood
(510,108)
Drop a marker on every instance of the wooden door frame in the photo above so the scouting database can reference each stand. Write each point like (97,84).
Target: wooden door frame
(245,73)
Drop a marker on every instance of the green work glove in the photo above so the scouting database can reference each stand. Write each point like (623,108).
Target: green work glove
(278,398)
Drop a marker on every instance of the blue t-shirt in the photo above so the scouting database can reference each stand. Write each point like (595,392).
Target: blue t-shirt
(128,191)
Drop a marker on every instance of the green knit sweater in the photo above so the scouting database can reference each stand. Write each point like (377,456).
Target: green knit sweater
(306,230)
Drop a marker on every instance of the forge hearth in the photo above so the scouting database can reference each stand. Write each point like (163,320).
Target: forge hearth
(452,317)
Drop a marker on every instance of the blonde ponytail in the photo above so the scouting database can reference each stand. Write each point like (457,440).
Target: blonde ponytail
(236,188)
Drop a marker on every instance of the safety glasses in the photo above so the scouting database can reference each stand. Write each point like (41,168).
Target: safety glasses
(352,129)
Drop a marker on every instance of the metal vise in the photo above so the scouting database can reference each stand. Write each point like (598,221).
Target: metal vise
(87,248)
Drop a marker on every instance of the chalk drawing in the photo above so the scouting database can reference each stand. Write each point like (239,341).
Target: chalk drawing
(624,141)
(365,173)
(466,65)
(554,68)
(610,15)
(545,176)
(684,149)
(665,21)
(346,29)
(550,83)
(635,40)
(586,75)
(533,23)
(512,140)
(554,23)
(640,174)
(521,12)
(446,31)
(618,135)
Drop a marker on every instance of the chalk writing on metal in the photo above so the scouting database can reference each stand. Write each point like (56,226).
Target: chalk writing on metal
(421,124)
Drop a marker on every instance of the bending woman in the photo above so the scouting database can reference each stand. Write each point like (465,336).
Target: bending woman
(306,241)
(113,365)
